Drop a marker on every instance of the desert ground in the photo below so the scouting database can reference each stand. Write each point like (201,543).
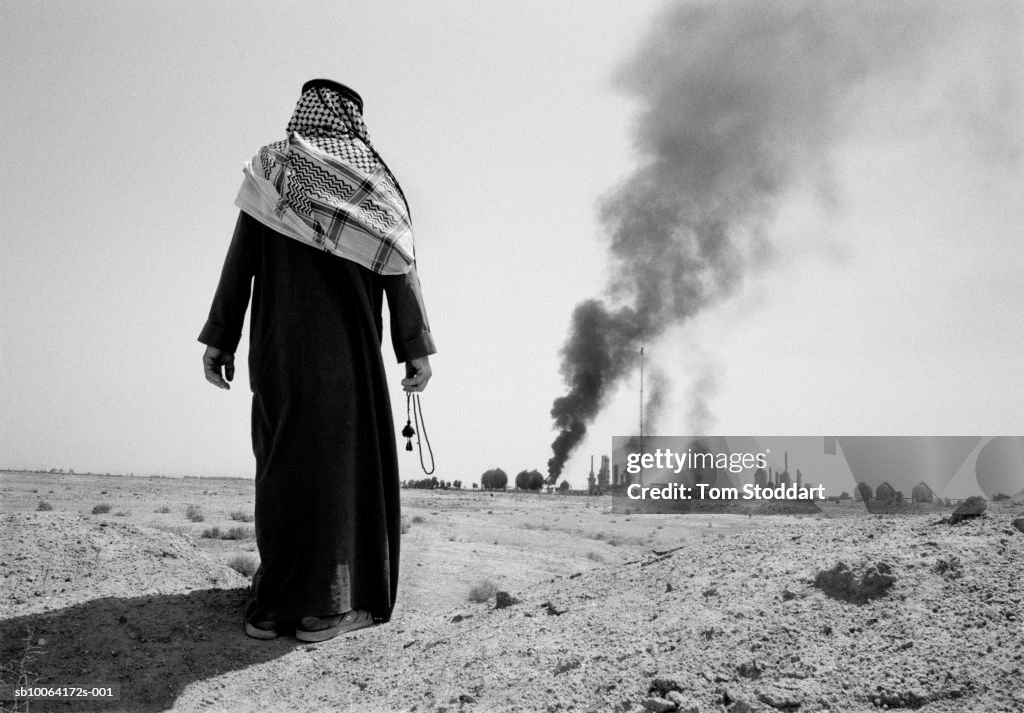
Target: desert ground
(517,602)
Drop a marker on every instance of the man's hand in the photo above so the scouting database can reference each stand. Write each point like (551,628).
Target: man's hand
(417,374)
(213,360)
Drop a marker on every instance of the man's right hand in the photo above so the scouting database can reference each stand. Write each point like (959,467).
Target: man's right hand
(213,360)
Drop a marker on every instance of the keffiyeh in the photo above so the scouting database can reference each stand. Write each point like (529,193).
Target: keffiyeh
(326,186)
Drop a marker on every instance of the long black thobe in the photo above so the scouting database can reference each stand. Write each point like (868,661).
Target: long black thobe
(327,490)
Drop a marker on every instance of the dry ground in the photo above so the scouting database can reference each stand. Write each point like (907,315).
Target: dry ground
(727,614)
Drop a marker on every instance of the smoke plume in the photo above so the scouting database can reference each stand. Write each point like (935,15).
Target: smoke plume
(738,102)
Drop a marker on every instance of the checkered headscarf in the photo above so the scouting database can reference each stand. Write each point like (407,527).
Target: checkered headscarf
(325,185)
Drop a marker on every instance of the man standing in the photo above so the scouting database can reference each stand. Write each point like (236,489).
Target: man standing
(323,234)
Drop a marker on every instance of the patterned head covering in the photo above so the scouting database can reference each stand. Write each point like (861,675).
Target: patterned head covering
(326,186)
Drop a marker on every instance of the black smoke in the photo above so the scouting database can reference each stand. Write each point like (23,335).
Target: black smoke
(739,101)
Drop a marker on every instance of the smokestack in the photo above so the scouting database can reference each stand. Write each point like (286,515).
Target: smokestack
(738,102)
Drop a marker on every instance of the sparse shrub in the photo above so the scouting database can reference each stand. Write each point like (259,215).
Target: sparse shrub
(242,516)
(211,533)
(194,513)
(482,591)
(245,565)
(122,513)
(101,508)
(418,519)
(239,533)
(596,556)
(163,509)
(1000,496)
(43,505)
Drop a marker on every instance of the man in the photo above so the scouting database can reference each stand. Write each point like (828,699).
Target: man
(322,236)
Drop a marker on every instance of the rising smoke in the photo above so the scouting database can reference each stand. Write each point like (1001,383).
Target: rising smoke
(739,101)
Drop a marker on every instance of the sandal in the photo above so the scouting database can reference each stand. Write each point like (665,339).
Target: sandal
(261,630)
(315,628)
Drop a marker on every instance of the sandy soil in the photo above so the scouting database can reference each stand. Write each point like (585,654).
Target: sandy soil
(614,613)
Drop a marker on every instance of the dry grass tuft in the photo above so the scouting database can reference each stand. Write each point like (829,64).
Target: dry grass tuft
(482,591)
(245,565)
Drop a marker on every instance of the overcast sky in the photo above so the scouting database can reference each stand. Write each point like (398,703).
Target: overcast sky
(884,297)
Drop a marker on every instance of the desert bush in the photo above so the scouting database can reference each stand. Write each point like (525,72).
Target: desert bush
(122,513)
(596,556)
(194,513)
(482,591)
(239,533)
(101,508)
(245,565)
(1000,496)
(43,505)
(211,533)
(419,519)
(164,509)
(242,516)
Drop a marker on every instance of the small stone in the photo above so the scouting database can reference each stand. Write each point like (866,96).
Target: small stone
(778,698)
(684,703)
(973,506)
(663,685)
(658,705)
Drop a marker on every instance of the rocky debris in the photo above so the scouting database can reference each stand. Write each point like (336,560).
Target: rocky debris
(568,665)
(503,600)
(780,698)
(666,693)
(949,568)
(684,703)
(658,705)
(551,610)
(840,582)
(973,506)
(663,685)
(909,698)
(1019,523)
(750,669)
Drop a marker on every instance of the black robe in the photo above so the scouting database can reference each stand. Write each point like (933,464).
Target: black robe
(327,491)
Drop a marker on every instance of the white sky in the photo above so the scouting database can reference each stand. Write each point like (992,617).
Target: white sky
(891,308)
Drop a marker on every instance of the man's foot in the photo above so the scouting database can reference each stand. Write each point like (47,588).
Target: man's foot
(322,628)
(261,629)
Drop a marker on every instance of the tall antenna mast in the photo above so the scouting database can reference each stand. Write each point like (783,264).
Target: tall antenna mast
(641,410)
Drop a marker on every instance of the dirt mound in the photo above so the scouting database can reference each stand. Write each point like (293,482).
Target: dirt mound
(50,559)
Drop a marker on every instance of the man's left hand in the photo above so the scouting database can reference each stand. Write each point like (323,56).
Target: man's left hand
(417,374)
